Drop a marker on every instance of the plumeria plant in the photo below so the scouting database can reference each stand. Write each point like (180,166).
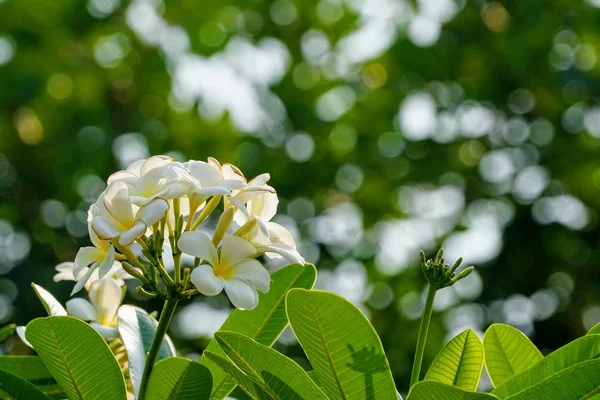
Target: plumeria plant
(201,228)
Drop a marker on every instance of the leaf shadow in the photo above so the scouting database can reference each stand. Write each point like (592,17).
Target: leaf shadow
(280,387)
(368,361)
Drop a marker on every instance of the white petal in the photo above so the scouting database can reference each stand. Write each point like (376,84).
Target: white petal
(64,272)
(205,173)
(213,190)
(241,294)
(278,233)
(52,306)
(106,295)
(199,245)
(82,309)
(154,162)
(273,251)
(152,212)
(126,176)
(86,257)
(107,263)
(203,277)
(117,202)
(253,273)
(107,332)
(231,172)
(104,228)
(130,235)
(235,249)
(232,183)
(21,334)
(83,280)
(264,206)
(135,167)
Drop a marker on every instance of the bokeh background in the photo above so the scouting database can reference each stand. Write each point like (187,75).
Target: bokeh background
(388,126)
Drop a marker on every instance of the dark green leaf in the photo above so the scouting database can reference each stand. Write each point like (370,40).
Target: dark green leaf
(240,378)
(13,387)
(7,330)
(176,378)
(428,390)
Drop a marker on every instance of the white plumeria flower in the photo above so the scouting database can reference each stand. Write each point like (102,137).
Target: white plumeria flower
(156,177)
(234,270)
(117,217)
(268,237)
(65,272)
(101,310)
(214,179)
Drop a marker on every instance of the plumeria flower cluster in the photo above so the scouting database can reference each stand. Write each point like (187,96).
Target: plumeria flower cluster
(158,207)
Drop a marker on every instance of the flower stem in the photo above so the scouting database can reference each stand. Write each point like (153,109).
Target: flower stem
(161,330)
(425,319)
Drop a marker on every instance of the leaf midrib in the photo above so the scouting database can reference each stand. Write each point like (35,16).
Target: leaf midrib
(328,352)
(62,356)
(461,359)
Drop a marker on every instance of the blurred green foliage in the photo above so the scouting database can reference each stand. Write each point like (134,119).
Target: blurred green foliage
(470,124)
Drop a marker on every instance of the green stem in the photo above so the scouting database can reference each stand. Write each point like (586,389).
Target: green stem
(425,319)
(161,330)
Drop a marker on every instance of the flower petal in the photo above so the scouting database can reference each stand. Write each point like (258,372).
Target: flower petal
(241,294)
(104,228)
(253,273)
(199,245)
(64,272)
(107,332)
(207,174)
(117,202)
(264,206)
(235,249)
(86,257)
(126,176)
(280,250)
(107,263)
(21,334)
(129,236)
(82,309)
(278,233)
(105,295)
(152,212)
(203,277)
(155,162)
(83,280)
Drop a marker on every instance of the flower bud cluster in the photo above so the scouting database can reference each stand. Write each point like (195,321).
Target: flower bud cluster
(439,274)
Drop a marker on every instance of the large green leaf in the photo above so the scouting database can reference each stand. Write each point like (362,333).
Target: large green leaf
(460,362)
(342,346)
(263,324)
(32,369)
(428,390)
(507,352)
(583,349)
(276,374)
(579,382)
(7,330)
(595,330)
(13,387)
(137,329)
(77,357)
(240,378)
(177,378)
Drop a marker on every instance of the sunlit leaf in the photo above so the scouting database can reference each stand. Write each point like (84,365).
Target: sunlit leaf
(507,352)
(240,378)
(460,362)
(13,387)
(595,330)
(277,375)
(177,378)
(137,330)
(7,330)
(428,390)
(341,345)
(583,349)
(579,382)
(263,324)
(78,358)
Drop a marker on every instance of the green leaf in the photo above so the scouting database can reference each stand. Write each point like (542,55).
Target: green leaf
(428,390)
(341,345)
(32,369)
(240,378)
(7,330)
(583,349)
(595,330)
(263,324)
(77,357)
(137,329)
(581,381)
(460,362)
(508,352)
(13,387)
(276,374)
(52,306)
(177,378)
